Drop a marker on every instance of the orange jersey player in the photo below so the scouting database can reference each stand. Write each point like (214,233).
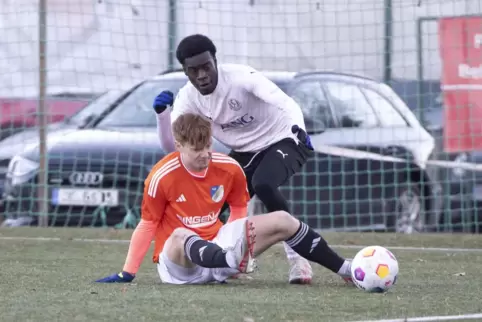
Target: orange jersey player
(176,197)
(183,196)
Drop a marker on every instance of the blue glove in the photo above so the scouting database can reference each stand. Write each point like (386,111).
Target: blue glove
(302,136)
(122,277)
(162,101)
(308,142)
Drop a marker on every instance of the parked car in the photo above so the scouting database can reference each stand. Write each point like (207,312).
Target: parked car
(15,143)
(462,188)
(19,113)
(96,174)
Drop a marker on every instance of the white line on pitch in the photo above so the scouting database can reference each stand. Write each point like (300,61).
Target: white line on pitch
(431,318)
(124,241)
(422,249)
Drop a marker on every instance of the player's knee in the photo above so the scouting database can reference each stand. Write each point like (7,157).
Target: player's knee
(174,247)
(282,224)
(179,236)
(286,224)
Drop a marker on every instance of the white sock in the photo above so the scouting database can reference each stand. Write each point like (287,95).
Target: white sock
(345,269)
(290,253)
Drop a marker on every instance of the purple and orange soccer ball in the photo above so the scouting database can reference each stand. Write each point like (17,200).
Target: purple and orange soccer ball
(374,269)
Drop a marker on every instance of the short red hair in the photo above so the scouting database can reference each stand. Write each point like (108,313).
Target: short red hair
(192,129)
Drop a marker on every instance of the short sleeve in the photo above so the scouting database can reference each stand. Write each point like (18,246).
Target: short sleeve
(154,200)
(183,103)
(238,195)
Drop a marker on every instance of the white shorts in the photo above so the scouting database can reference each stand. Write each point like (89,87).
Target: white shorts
(171,273)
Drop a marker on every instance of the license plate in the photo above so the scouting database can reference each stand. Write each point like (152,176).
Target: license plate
(85,197)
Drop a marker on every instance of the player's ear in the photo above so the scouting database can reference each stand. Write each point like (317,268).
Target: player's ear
(177,145)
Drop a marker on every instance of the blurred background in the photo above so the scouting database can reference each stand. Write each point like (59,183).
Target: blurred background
(390,90)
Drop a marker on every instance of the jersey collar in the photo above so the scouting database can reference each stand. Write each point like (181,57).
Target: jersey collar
(200,175)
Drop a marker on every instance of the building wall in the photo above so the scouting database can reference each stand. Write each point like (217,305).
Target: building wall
(99,44)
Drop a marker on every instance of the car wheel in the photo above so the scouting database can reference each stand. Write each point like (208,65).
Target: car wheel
(408,213)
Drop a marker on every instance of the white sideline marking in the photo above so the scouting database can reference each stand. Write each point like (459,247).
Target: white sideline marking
(124,241)
(431,318)
(423,249)
(84,240)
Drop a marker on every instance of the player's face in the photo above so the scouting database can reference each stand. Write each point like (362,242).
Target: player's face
(202,72)
(196,159)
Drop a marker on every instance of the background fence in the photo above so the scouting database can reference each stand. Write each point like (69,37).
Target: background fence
(98,45)
(94,46)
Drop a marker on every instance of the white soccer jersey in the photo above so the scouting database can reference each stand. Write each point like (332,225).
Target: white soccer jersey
(248,111)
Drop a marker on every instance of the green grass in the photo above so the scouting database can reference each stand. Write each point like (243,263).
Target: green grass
(52,281)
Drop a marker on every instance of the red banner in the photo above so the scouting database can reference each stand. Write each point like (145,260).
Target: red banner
(461,52)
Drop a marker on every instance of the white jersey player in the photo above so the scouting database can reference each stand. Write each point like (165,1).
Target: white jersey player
(263,127)
(244,105)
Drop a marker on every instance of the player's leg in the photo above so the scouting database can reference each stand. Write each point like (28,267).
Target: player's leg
(280,226)
(185,249)
(279,162)
(175,267)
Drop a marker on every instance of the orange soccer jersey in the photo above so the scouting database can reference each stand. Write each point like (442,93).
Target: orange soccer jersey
(174,197)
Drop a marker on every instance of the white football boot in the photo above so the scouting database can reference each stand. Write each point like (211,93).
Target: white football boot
(241,255)
(300,271)
(347,275)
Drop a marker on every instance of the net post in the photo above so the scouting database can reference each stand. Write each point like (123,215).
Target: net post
(419,64)
(42,195)
(171,34)
(387,42)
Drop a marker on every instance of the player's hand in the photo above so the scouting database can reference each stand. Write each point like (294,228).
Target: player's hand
(162,101)
(122,277)
(302,136)
(308,142)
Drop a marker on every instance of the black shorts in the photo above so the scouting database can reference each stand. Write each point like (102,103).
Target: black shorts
(275,164)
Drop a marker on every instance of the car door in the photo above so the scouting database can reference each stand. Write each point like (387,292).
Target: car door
(317,192)
(368,118)
(356,125)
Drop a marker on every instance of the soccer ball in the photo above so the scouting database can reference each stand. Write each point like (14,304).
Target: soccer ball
(374,269)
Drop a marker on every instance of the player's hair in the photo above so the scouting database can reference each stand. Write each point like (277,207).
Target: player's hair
(192,129)
(194,45)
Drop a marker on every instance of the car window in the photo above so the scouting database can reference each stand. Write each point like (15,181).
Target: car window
(136,109)
(95,108)
(387,113)
(351,106)
(314,105)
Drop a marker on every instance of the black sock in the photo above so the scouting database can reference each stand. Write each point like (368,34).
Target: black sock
(310,245)
(204,253)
